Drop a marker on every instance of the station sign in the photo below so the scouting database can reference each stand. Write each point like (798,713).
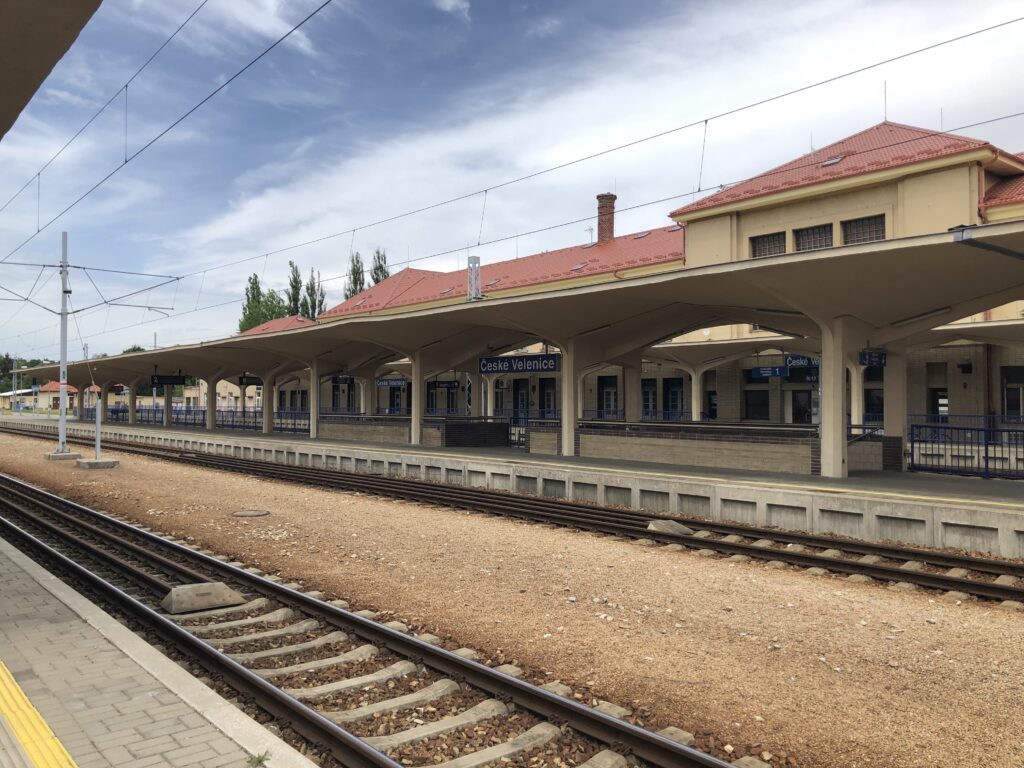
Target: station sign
(445,384)
(341,379)
(162,380)
(768,372)
(874,357)
(392,381)
(521,364)
(801,361)
(248,381)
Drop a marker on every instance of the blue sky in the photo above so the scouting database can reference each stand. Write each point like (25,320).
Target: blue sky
(376,108)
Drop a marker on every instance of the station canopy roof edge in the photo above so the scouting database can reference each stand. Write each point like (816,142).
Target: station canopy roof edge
(895,289)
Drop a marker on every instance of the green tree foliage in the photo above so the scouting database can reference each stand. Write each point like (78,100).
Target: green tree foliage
(293,293)
(314,298)
(356,282)
(379,271)
(134,348)
(260,306)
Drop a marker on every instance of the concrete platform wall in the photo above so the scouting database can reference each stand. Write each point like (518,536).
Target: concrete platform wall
(982,528)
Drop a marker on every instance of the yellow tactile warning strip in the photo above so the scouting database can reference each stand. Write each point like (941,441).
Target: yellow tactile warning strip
(34,736)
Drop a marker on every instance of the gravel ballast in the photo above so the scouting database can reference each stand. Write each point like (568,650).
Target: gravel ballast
(818,672)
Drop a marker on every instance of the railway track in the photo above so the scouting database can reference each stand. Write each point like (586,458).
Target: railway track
(959,575)
(368,694)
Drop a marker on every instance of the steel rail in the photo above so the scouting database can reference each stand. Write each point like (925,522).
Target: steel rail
(309,723)
(616,522)
(189,575)
(642,743)
(148,580)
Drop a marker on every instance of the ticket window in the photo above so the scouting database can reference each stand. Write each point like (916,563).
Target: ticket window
(802,410)
(649,398)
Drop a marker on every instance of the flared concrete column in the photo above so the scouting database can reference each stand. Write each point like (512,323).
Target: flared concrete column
(476,386)
(696,393)
(168,404)
(834,347)
(571,400)
(894,385)
(211,403)
(133,403)
(632,394)
(490,384)
(418,392)
(269,404)
(104,403)
(314,398)
(856,393)
(81,403)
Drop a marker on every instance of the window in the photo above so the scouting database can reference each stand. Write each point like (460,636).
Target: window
(812,238)
(874,373)
(1013,393)
(865,230)
(767,245)
(755,402)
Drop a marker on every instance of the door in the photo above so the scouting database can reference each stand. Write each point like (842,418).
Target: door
(394,400)
(710,405)
(521,398)
(801,406)
(648,399)
(607,397)
(672,399)
(938,403)
(548,397)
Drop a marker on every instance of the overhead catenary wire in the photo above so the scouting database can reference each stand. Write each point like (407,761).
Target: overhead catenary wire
(98,112)
(547,228)
(168,129)
(532,175)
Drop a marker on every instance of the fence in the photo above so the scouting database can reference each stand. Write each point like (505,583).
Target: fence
(978,451)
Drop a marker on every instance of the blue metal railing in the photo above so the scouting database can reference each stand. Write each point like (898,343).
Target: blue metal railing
(447,412)
(656,415)
(976,451)
(602,414)
(388,411)
(291,421)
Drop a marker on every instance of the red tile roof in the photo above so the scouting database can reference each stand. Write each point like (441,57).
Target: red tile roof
(54,386)
(1007,191)
(886,145)
(418,286)
(280,324)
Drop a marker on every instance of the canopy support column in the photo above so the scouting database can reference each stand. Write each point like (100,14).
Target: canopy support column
(168,404)
(104,402)
(211,402)
(835,346)
(894,396)
(856,394)
(81,403)
(632,375)
(570,397)
(476,394)
(418,398)
(314,398)
(269,403)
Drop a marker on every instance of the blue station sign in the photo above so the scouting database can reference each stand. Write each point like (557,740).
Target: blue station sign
(801,361)
(768,372)
(873,357)
(392,381)
(521,364)
(444,384)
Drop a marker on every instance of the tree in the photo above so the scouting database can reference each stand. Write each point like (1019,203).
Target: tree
(134,348)
(356,282)
(260,306)
(314,298)
(293,293)
(379,271)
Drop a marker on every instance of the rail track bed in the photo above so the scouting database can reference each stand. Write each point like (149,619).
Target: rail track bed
(957,575)
(364,693)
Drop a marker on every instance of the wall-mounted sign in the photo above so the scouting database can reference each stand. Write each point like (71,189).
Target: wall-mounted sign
(161,380)
(521,364)
(873,357)
(248,381)
(768,372)
(801,361)
(341,380)
(444,384)
(391,381)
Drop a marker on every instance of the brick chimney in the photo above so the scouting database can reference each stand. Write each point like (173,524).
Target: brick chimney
(605,217)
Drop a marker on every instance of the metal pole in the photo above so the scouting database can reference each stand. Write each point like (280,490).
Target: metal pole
(62,427)
(99,408)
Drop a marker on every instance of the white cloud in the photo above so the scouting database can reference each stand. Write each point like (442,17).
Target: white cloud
(545,27)
(456,7)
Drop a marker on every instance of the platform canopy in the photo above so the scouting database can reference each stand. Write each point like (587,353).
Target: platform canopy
(894,290)
(34,35)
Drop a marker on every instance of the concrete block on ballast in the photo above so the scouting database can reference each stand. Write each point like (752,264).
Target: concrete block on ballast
(186,598)
(97,463)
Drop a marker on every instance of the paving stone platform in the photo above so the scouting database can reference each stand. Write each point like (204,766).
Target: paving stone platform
(109,697)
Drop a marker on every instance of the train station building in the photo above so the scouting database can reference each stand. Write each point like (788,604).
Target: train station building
(813,319)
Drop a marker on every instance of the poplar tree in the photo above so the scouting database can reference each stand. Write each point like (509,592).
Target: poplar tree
(293,294)
(315,297)
(356,282)
(379,271)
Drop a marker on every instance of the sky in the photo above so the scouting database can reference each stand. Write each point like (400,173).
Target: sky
(373,109)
